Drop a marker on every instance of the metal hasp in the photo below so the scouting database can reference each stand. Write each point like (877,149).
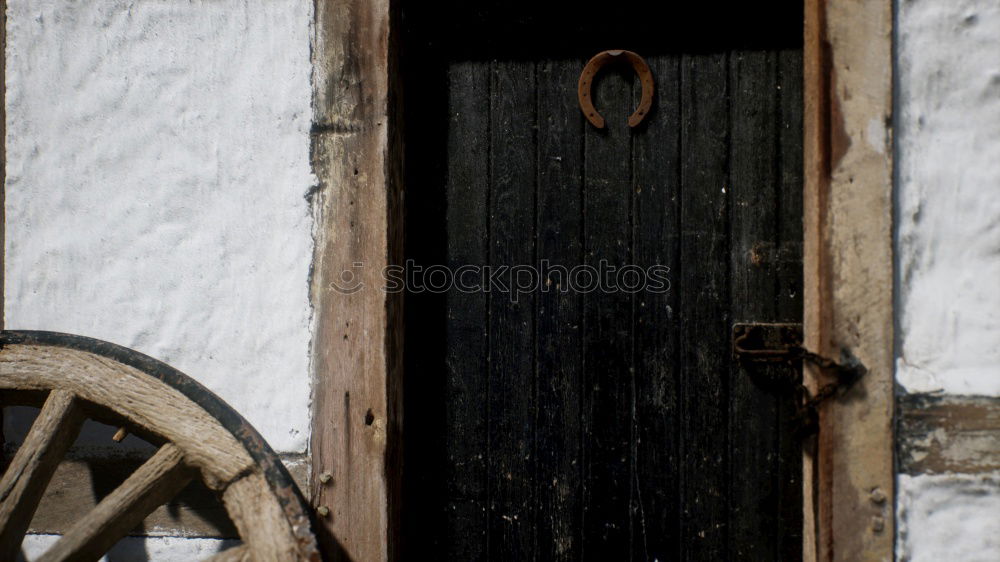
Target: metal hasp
(761,344)
(594,65)
(765,342)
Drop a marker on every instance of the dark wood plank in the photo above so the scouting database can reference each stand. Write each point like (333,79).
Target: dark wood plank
(466,351)
(559,320)
(788,292)
(512,403)
(654,493)
(703,287)
(752,193)
(608,413)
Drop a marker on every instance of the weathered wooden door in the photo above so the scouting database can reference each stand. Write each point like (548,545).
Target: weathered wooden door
(607,424)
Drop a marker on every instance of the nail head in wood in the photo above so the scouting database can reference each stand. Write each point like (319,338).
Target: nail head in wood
(878,496)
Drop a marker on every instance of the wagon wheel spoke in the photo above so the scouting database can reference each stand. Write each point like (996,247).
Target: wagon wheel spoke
(158,480)
(22,485)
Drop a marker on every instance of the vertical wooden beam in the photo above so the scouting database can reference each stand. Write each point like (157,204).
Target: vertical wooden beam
(815,169)
(849,273)
(357,342)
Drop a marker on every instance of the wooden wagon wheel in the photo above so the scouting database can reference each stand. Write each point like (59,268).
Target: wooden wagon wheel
(73,378)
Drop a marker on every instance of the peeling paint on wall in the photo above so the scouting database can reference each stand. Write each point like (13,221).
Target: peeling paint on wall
(948,247)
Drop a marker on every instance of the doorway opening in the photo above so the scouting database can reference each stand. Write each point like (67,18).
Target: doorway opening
(557,404)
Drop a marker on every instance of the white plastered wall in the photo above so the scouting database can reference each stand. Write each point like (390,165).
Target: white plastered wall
(948,253)
(157,173)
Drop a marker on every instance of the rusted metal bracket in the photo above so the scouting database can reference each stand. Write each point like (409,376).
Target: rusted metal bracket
(594,65)
(757,343)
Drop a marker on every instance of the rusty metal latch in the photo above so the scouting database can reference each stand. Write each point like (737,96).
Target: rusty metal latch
(584,89)
(757,343)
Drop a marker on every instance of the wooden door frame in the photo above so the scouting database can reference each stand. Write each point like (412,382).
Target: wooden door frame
(848,274)
(356,350)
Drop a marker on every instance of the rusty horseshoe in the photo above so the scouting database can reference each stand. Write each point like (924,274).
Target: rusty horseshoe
(594,65)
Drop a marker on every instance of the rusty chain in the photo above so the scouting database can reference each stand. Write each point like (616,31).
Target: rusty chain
(807,405)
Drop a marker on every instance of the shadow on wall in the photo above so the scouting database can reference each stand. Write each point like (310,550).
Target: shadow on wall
(95,466)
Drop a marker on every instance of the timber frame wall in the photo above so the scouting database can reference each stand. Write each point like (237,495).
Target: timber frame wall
(357,157)
(849,513)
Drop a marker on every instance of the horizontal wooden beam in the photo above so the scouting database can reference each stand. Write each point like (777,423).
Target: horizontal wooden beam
(940,433)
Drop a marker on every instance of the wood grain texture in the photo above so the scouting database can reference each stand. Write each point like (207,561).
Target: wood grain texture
(754,214)
(511,315)
(79,484)
(29,472)
(816,282)
(608,371)
(357,341)
(610,416)
(467,356)
(259,519)
(703,284)
(158,480)
(655,495)
(558,321)
(848,266)
(939,434)
(144,400)
(789,288)
(102,385)
(629,431)
(83,479)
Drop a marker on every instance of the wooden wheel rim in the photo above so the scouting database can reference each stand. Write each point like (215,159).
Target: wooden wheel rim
(215,441)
